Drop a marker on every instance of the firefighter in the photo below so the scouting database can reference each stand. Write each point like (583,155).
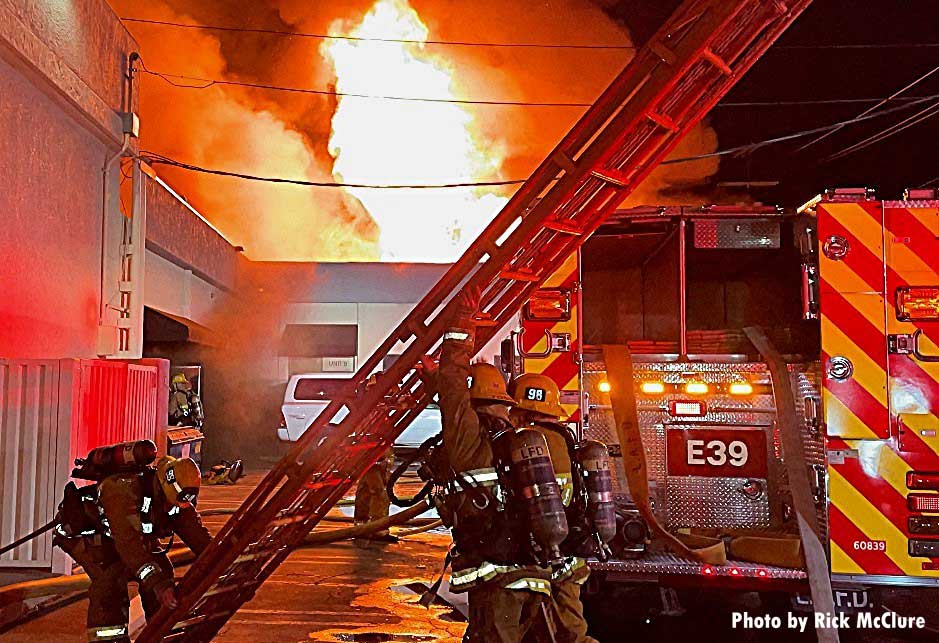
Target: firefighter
(371,498)
(507,593)
(371,495)
(134,510)
(538,406)
(185,407)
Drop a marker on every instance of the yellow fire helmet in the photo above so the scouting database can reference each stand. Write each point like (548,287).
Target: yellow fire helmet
(537,392)
(180,479)
(487,384)
(181,381)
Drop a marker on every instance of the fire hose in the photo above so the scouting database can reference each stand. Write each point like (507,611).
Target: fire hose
(419,455)
(61,585)
(25,539)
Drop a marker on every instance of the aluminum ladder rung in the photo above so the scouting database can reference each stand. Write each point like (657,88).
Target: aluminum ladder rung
(564,227)
(614,177)
(519,275)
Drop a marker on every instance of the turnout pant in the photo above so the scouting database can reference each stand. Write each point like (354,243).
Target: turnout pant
(499,615)
(108,601)
(371,497)
(567,613)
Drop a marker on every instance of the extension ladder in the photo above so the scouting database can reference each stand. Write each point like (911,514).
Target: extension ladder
(671,83)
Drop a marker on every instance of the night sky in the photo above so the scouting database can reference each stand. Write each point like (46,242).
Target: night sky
(908,159)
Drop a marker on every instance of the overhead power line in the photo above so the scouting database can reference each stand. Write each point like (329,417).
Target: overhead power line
(300,34)
(873,45)
(158,159)
(750,147)
(205,83)
(920,116)
(209,82)
(520,45)
(819,101)
(873,108)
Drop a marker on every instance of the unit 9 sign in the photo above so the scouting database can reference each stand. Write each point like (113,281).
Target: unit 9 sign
(723,453)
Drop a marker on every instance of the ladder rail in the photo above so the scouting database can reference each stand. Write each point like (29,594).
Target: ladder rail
(664,91)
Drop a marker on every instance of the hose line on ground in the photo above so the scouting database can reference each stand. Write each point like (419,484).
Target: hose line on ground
(27,537)
(19,592)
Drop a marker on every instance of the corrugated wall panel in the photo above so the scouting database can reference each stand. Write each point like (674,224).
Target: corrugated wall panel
(32,437)
(53,411)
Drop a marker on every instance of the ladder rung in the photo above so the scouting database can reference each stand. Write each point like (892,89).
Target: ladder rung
(216,590)
(329,482)
(518,275)
(662,51)
(564,162)
(203,617)
(564,227)
(287,520)
(417,327)
(611,176)
(661,120)
(717,61)
(484,319)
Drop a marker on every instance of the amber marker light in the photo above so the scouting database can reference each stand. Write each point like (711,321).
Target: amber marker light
(652,388)
(696,388)
(604,387)
(740,388)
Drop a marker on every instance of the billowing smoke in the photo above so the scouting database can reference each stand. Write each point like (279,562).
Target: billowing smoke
(325,138)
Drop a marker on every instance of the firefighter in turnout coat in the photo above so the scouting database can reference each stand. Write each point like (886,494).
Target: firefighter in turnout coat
(506,592)
(134,510)
(538,406)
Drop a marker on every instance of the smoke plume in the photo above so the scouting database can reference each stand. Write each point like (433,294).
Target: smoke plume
(308,136)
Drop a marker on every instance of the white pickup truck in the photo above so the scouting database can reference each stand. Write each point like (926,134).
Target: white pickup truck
(308,394)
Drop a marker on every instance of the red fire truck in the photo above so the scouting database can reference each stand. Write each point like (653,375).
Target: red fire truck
(846,289)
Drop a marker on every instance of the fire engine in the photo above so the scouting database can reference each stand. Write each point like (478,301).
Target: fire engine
(846,290)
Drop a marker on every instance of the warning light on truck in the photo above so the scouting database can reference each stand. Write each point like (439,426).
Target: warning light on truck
(549,305)
(922,481)
(696,388)
(652,388)
(740,388)
(923,502)
(604,387)
(918,303)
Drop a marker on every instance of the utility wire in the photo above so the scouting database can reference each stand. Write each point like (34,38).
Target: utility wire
(874,107)
(920,116)
(300,34)
(461,43)
(820,101)
(751,147)
(929,182)
(892,45)
(205,83)
(158,159)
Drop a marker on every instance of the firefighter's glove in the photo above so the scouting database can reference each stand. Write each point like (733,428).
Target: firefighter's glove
(166,594)
(427,370)
(468,302)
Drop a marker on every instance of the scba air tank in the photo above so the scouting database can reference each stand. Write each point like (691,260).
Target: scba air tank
(115,458)
(536,488)
(594,460)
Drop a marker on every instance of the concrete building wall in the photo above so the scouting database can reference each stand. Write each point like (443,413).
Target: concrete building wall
(61,71)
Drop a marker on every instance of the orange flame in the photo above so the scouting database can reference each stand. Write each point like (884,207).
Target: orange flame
(387,142)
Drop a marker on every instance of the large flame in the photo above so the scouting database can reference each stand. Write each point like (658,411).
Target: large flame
(403,142)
